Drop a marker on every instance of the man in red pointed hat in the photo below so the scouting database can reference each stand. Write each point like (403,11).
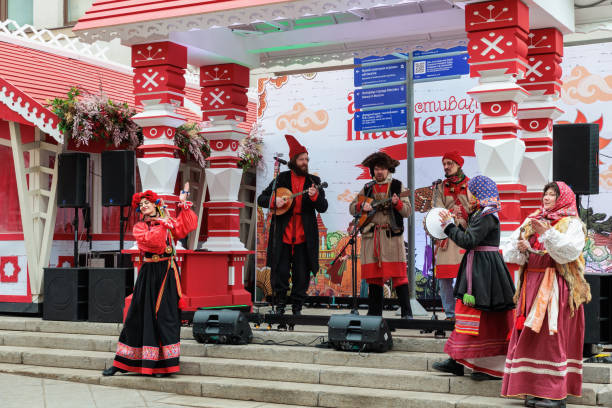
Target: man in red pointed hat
(293,243)
(452,195)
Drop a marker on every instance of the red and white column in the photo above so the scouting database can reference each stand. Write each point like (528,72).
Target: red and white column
(224,104)
(537,113)
(497,34)
(159,83)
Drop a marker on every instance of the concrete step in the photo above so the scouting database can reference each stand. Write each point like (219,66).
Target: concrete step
(271,392)
(405,341)
(398,360)
(287,372)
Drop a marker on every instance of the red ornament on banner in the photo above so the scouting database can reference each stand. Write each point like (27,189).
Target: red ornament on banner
(9,269)
(65,261)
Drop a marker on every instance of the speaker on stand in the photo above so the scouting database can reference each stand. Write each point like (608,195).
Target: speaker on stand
(118,186)
(72,189)
(576,156)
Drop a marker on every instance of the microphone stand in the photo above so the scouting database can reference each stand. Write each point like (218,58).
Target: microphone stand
(353,243)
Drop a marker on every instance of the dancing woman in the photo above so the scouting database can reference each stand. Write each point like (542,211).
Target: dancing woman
(150,340)
(544,361)
(484,289)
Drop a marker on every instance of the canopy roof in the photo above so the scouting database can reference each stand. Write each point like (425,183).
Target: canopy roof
(282,32)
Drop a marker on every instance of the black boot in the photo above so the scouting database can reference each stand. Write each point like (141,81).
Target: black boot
(281,304)
(112,370)
(403,295)
(375,300)
(480,376)
(546,403)
(449,366)
(296,309)
(531,401)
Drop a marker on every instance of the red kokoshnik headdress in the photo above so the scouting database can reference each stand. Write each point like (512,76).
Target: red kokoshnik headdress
(149,195)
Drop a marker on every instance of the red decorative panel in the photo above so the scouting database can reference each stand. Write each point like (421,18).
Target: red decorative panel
(9,269)
(224,74)
(535,125)
(498,108)
(155,132)
(495,45)
(496,14)
(220,145)
(65,261)
(545,41)
(160,53)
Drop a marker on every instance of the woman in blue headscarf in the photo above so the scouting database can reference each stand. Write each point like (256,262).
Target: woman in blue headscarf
(484,289)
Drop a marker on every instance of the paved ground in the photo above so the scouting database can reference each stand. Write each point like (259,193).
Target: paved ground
(20,391)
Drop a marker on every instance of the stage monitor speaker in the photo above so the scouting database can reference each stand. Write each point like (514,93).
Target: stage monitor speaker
(221,326)
(65,294)
(598,312)
(576,156)
(117,177)
(73,169)
(108,288)
(359,333)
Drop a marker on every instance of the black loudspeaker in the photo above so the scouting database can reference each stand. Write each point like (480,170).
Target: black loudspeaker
(576,156)
(221,326)
(117,177)
(359,333)
(73,169)
(598,312)
(65,294)
(108,288)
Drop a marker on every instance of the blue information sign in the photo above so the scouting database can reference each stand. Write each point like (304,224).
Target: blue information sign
(441,67)
(377,59)
(380,74)
(382,96)
(370,121)
(437,51)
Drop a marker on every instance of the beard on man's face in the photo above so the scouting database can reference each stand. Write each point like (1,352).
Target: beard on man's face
(299,170)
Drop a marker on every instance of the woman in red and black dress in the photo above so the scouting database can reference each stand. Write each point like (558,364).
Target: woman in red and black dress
(150,340)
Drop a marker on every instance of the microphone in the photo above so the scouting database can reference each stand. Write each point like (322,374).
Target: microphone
(281,161)
(435,183)
(324,184)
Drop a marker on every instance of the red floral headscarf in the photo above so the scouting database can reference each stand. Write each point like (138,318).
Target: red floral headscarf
(565,206)
(149,195)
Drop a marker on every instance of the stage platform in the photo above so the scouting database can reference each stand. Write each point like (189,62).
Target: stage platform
(281,367)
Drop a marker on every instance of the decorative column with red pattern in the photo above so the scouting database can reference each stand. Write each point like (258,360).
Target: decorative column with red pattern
(159,84)
(537,113)
(497,34)
(224,104)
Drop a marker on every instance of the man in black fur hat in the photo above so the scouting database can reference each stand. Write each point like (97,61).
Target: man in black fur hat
(383,255)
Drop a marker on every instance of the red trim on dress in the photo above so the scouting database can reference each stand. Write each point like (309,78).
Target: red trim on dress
(447,271)
(145,370)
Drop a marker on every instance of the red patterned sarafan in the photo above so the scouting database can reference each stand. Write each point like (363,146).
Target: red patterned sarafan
(9,269)
(148,352)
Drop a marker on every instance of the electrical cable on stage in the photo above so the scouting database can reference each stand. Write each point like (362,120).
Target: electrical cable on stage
(285,342)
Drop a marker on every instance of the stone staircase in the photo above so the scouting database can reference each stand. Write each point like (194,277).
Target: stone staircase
(273,371)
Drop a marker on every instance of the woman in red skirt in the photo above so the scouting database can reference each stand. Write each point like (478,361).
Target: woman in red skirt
(484,289)
(150,340)
(544,362)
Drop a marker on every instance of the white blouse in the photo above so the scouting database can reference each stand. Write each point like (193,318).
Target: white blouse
(562,247)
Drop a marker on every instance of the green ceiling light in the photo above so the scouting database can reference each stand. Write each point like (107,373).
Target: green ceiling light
(290,47)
